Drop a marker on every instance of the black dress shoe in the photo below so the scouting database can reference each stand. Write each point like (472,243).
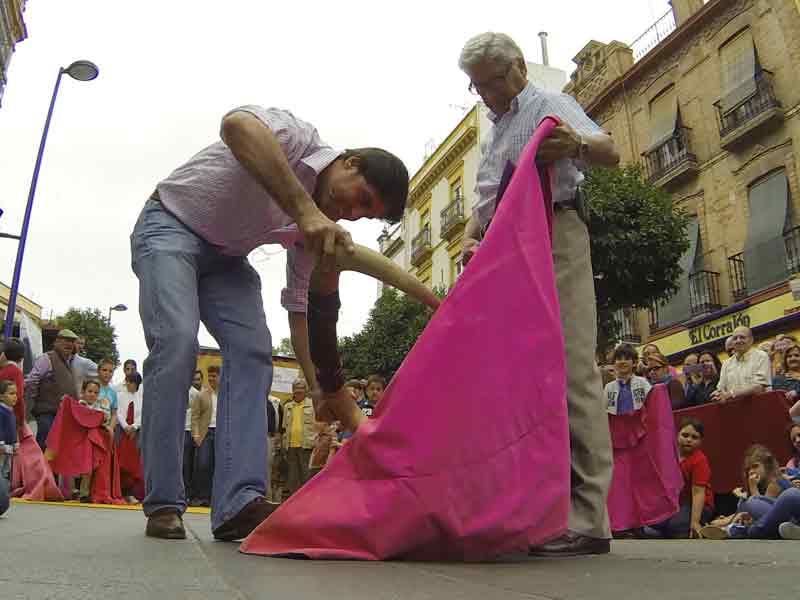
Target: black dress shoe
(166,524)
(572,544)
(245,521)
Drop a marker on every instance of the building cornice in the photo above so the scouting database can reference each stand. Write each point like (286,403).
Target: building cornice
(438,168)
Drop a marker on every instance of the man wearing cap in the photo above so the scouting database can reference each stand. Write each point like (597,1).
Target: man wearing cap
(49,380)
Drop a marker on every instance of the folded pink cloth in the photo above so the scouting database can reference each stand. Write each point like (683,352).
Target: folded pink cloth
(467,457)
(32,478)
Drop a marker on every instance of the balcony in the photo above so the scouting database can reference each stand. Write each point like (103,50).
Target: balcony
(652,314)
(626,319)
(757,110)
(655,34)
(736,274)
(704,293)
(421,246)
(452,218)
(671,162)
(391,241)
(791,240)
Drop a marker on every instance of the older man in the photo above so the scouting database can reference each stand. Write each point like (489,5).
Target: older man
(747,372)
(49,380)
(498,74)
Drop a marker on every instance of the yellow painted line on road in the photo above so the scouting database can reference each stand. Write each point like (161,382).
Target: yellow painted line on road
(195,510)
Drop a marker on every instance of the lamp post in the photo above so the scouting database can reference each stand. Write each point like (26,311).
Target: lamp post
(81,70)
(116,307)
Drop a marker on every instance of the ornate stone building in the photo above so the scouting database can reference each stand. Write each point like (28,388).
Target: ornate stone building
(707,102)
(12,31)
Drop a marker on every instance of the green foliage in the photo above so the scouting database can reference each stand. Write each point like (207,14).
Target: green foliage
(92,325)
(637,239)
(284,348)
(394,324)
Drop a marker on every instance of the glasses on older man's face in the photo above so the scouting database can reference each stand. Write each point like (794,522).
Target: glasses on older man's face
(491,84)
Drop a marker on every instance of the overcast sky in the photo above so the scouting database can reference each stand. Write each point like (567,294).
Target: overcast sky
(364,73)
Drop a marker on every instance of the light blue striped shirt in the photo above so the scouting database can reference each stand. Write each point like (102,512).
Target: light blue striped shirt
(511,132)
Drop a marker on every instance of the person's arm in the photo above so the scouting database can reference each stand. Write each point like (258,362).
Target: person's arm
(41,368)
(298,329)
(774,490)
(698,502)
(256,147)
(198,411)
(795,410)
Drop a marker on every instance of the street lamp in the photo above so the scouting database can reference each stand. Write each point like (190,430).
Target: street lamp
(81,70)
(116,307)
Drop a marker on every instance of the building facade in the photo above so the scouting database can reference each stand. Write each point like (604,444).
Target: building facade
(708,105)
(12,31)
(428,240)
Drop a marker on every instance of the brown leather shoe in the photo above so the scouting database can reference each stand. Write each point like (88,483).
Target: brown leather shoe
(572,544)
(166,524)
(245,520)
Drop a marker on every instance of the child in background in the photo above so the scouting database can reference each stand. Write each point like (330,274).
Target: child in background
(8,427)
(90,397)
(627,393)
(108,395)
(792,469)
(697,497)
(11,353)
(374,390)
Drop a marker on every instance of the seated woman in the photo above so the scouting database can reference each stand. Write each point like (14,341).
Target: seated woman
(780,520)
(658,371)
(697,497)
(703,380)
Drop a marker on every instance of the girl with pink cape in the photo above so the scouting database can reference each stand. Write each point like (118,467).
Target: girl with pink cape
(428,479)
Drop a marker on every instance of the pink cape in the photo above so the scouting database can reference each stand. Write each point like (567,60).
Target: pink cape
(647,479)
(32,478)
(467,457)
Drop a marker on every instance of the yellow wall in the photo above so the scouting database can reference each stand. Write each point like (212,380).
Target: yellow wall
(207,357)
(25,304)
(752,316)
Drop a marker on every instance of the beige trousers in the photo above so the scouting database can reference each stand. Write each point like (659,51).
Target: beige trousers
(591,455)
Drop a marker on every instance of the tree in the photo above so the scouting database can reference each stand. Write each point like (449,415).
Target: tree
(393,326)
(637,239)
(284,348)
(93,326)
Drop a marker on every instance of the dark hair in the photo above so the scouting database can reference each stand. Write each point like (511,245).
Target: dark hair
(624,351)
(14,349)
(696,423)
(5,384)
(354,383)
(106,361)
(88,382)
(130,361)
(134,377)
(714,357)
(196,371)
(213,369)
(387,174)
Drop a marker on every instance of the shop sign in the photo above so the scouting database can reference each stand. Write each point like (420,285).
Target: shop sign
(718,329)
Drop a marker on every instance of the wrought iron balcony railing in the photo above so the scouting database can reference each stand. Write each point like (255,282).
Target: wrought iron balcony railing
(421,244)
(737,277)
(760,101)
(704,292)
(669,156)
(452,216)
(654,35)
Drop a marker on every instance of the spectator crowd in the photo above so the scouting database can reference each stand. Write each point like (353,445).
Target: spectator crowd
(86,444)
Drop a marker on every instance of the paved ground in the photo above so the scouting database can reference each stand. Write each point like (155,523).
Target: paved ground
(49,552)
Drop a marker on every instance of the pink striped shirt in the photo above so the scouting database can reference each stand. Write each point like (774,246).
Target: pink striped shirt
(220,201)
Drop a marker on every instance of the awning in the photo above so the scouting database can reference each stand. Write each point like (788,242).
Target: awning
(765,251)
(663,117)
(738,58)
(678,309)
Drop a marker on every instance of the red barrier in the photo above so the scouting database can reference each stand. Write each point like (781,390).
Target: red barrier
(734,426)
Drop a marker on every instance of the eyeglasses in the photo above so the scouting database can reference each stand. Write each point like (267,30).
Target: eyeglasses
(475,87)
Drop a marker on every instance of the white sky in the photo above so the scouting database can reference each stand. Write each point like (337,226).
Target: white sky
(364,73)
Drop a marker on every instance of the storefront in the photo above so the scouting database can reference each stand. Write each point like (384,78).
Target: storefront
(766,318)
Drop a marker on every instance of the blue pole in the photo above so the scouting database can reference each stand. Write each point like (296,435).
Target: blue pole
(12,297)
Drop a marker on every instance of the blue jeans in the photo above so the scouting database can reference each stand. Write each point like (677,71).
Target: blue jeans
(183,280)
(756,506)
(43,425)
(785,508)
(203,476)
(4,500)
(677,526)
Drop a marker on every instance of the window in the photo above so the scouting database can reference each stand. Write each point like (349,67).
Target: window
(765,253)
(678,307)
(456,189)
(739,68)
(663,117)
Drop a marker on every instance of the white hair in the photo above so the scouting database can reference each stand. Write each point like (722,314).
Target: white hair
(494,47)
